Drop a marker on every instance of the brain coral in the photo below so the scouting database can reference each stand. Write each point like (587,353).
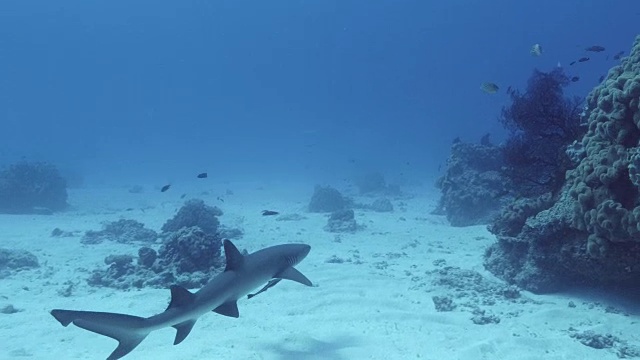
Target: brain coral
(605,183)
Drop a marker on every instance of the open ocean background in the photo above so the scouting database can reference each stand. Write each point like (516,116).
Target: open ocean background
(117,92)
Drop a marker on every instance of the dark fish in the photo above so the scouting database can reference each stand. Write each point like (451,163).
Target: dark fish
(583,59)
(269,285)
(571,63)
(165,188)
(595,48)
(601,79)
(618,55)
(575,78)
(269,213)
(220,199)
(183,196)
(202,175)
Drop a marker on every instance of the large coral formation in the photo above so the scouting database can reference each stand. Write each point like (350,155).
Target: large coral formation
(473,187)
(190,254)
(27,188)
(591,233)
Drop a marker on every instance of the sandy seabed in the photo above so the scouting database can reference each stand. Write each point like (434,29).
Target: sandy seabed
(372,299)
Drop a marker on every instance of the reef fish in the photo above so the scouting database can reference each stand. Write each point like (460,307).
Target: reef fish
(583,59)
(489,88)
(269,213)
(618,55)
(203,175)
(595,48)
(165,188)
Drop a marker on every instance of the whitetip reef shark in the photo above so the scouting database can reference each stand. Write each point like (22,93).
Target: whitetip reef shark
(241,275)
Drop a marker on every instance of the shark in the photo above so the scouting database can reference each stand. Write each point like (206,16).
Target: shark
(242,274)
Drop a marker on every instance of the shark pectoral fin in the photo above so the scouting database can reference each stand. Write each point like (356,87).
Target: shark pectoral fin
(228,309)
(125,346)
(291,273)
(180,297)
(182,330)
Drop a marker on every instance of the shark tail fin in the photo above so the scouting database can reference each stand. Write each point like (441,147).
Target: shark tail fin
(127,329)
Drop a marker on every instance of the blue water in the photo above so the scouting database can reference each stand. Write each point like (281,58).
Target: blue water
(122,91)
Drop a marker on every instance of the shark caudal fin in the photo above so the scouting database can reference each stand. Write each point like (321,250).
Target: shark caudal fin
(127,329)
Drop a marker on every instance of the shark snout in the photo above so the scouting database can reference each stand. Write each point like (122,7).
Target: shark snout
(296,253)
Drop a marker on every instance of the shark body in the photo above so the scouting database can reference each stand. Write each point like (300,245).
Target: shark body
(242,275)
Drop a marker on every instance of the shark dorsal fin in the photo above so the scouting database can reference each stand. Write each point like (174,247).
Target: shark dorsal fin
(228,309)
(291,273)
(235,260)
(180,297)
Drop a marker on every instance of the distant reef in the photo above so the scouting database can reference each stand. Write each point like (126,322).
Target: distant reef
(588,232)
(32,188)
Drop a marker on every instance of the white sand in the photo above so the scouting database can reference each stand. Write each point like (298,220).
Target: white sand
(378,306)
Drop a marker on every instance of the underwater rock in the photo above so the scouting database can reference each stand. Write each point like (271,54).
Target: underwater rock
(473,188)
(342,221)
(189,250)
(188,257)
(326,199)
(122,231)
(443,303)
(381,205)
(147,257)
(195,213)
(32,188)
(12,260)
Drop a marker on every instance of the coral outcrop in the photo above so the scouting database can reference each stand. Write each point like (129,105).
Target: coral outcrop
(32,188)
(122,231)
(195,213)
(327,199)
(591,232)
(473,188)
(190,253)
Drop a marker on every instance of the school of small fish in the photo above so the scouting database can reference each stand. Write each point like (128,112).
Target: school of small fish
(536,51)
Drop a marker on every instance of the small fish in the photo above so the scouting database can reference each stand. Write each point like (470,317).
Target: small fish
(595,48)
(489,88)
(618,55)
(571,63)
(601,79)
(183,196)
(536,50)
(165,188)
(269,213)
(575,78)
(203,175)
(220,199)
(583,59)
